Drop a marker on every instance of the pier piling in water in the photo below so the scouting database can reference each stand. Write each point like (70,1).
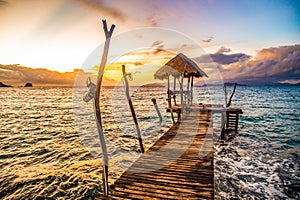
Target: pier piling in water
(157,110)
(132,109)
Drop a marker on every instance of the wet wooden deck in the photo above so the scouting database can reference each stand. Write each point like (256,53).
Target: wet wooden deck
(178,166)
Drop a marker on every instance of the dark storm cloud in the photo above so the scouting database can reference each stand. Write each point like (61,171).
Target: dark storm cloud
(3,3)
(220,58)
(271,64)
(276,64)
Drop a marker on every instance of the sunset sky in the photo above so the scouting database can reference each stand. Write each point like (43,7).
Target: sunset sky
(61,34)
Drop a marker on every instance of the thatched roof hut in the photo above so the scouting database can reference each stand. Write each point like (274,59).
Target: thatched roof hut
(178,66)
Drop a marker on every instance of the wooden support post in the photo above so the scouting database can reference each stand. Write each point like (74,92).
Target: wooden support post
(236,122)
(192,89)
(174,94)
(157,110)
(181,90)
(108,35)
(169,100)
(181,93)
(223,124)
(223,119)
(225,93)
(132,109)
(174,98)
(188,90)
(227,120)
(223,134)
(174,84)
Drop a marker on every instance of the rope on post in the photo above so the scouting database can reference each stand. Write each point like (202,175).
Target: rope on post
(157,110)
(132,108)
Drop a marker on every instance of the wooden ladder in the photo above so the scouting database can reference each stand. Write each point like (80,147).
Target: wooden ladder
(232,120)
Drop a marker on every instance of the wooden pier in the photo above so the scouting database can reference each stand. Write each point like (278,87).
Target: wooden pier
(178,166)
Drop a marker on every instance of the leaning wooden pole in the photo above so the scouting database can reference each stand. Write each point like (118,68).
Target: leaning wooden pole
(229,101)
(157,110)
(108,35)
(132,109)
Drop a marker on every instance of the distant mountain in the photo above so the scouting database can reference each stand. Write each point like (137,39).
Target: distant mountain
(232,84)
(282,84)
(153,85)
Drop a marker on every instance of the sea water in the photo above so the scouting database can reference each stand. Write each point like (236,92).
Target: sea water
(49,143)
(263,161)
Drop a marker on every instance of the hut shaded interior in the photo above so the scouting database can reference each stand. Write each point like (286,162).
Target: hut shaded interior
(180,67)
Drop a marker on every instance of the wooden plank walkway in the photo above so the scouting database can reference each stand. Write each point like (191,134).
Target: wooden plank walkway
(178,166)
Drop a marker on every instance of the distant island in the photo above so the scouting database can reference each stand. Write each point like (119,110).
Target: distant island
(28,85)
(249,84)
(153,85)
(232,84)
(226,84)
(4,85)
(282,84)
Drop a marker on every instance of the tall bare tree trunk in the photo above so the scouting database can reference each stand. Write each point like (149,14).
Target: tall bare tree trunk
(108,35)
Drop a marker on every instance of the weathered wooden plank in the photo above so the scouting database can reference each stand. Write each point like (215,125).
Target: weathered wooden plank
(186,177)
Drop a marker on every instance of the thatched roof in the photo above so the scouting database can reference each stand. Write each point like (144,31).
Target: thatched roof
(177,66)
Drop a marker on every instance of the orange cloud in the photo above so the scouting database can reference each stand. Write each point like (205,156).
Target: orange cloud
(19,75)
(102,7)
